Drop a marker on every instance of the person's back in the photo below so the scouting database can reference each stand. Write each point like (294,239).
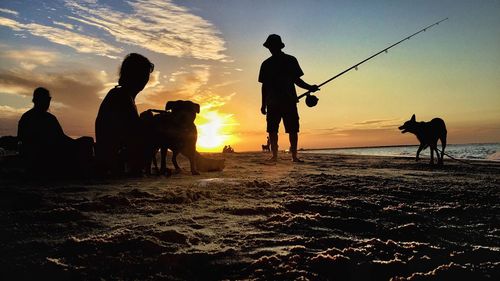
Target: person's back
(117,117)
(44,146)
(279,72)
(119,134)
(39,129)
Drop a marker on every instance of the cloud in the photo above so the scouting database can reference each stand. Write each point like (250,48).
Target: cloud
(75,96)
(14,25)
(159,26)
(154,80)
(367,127)
(81,43)
(210,101)
(189,83)
(75,89)
(8,111)
(63,24)
(194,83)
(29,59)
(173,76)
(375,122)
(7,11)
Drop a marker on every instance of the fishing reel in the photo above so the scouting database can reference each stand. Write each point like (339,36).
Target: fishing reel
(311,100)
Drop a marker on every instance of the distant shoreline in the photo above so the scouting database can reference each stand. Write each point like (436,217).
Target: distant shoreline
(392,146)
(471,151)
(378,146)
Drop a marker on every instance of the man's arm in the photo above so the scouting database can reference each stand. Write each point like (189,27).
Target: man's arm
(299,82)
(58,130)
(20,129)
(264,98)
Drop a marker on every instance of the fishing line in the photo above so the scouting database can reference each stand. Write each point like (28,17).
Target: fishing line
(312,100)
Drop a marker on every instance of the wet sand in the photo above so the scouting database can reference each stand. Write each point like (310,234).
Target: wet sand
(331,218)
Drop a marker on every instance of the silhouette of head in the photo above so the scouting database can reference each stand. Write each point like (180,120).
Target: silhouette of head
(134,72)
(41,98)
(409,126)
(186,109)
(274,43)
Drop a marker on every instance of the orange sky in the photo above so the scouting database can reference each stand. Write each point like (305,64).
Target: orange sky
(211,54)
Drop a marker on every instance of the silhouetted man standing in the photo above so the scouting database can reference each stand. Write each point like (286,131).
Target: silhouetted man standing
(279,74)
(118,128)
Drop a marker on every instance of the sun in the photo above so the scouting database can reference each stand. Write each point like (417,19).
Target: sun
(214,131)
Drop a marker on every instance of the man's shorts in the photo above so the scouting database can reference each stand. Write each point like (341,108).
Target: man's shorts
(290,117)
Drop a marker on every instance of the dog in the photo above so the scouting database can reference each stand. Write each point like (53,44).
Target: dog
(428,133)
(172,129)
(265,148)
(9,143)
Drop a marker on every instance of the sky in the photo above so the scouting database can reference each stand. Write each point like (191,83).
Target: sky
(210,52)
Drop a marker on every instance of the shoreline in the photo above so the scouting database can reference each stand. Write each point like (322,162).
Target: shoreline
(312,150)
(423,158)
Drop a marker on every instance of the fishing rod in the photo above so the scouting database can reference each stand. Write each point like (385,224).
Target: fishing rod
(312,100)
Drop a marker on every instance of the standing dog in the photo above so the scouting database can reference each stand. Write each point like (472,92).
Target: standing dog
(172,129)
(428,133)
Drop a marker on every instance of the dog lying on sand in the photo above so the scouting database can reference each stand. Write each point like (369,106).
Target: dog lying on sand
(174,129)
(428,133)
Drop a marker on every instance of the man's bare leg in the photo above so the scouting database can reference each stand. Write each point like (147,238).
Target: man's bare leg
(273,138)
(294,138)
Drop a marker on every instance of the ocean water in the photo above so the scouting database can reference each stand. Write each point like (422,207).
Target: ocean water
(487,151)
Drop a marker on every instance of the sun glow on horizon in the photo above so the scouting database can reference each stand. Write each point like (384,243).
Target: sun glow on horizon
(214,131)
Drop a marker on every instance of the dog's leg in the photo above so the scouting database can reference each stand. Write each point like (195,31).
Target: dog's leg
(437,156)
(418,152)
(155,162)
(191,155)
(147,163)
(148,157)
(443,146)
(432,154)
(163,160)
(174,161)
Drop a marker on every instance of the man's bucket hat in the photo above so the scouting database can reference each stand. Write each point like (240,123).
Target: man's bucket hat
(274,40)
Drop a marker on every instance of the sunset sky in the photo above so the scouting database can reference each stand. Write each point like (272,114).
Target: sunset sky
(210,52)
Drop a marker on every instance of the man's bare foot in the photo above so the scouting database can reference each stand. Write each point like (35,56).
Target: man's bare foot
(272,159)
(297,160)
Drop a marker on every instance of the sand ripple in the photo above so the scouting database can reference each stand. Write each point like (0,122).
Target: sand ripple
(332,218)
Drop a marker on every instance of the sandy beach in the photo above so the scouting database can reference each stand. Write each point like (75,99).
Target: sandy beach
(331,218)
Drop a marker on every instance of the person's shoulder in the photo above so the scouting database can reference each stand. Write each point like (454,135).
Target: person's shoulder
(115,92)
(114,95)
(27,113)
(289,57)
(50,115)
(268,60)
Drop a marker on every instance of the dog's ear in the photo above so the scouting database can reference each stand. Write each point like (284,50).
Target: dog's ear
(173,105)
(191,106)
(147,114)
(413,118)
(169,105)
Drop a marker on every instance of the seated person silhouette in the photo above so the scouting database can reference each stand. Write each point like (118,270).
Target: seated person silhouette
(45,149)
(118,128)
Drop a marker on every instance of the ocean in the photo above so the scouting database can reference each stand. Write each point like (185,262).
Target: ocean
(475,151)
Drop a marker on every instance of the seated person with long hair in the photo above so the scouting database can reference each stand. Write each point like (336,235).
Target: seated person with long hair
(118,128)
